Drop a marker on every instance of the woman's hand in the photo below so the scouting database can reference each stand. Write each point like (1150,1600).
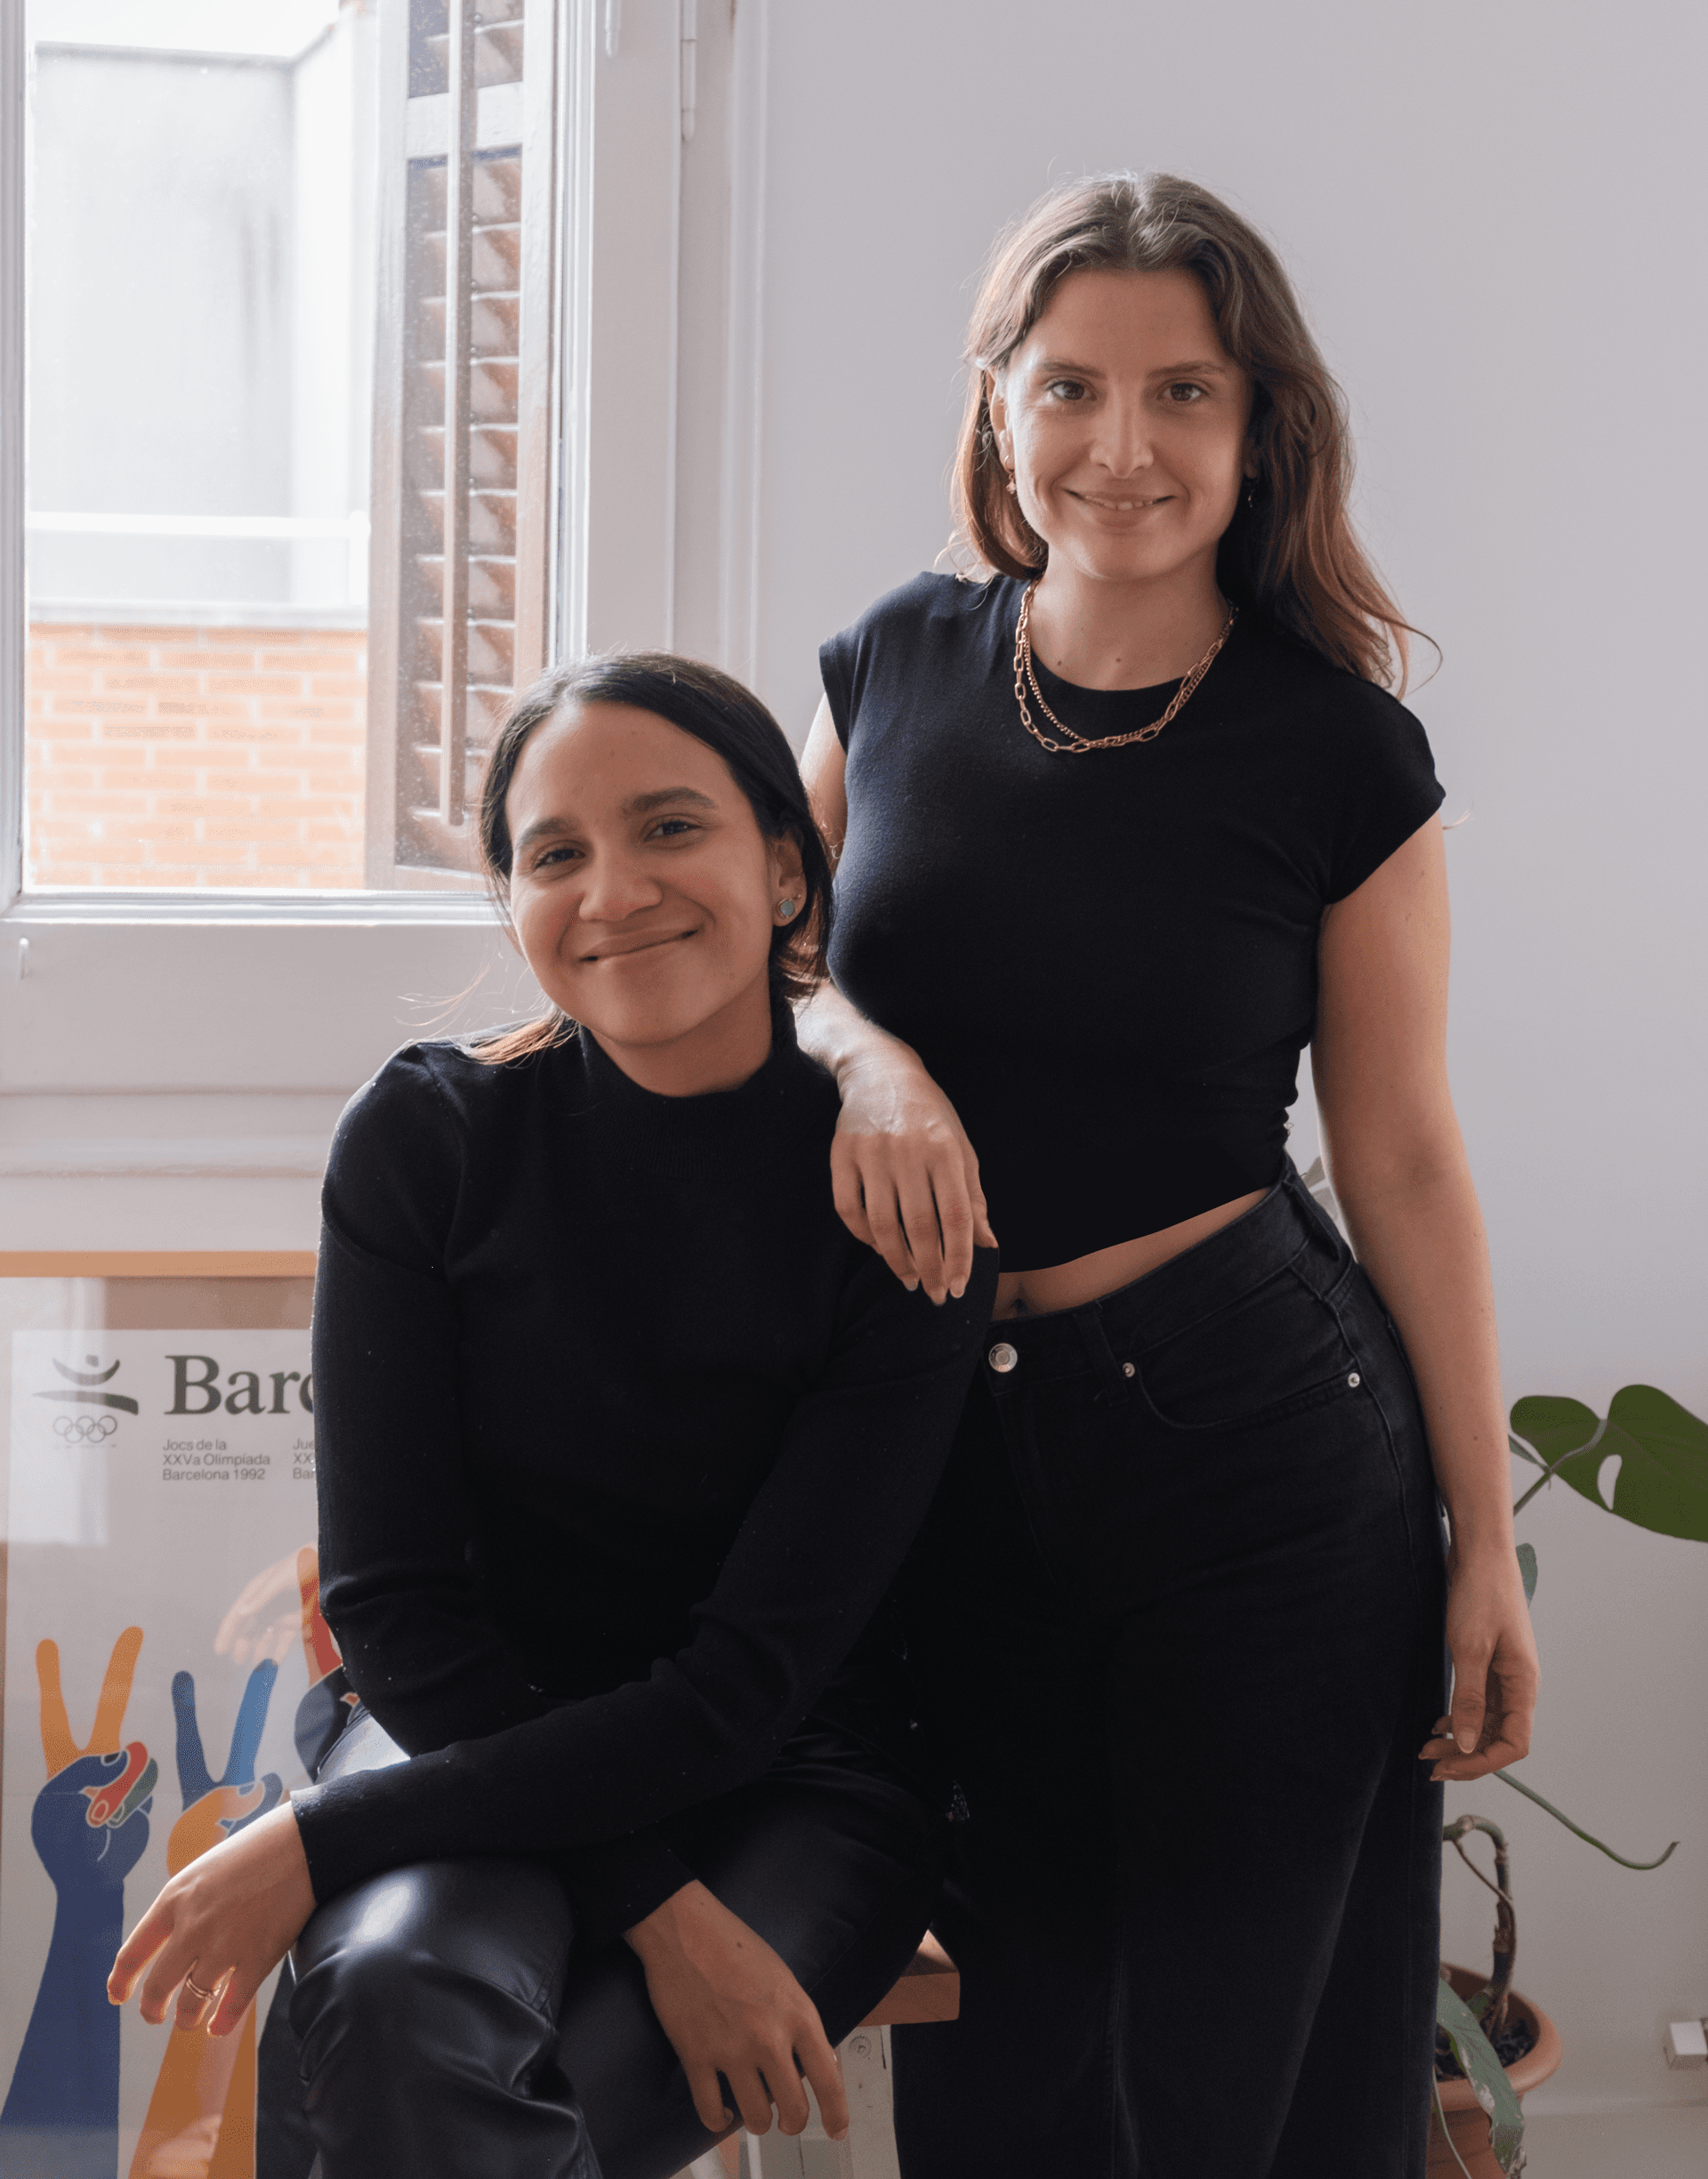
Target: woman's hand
(226,1921)
(730,2006)
(1495,1671)
(903,1174)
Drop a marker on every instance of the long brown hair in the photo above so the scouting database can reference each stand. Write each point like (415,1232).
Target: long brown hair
(732,722)
(1291,553)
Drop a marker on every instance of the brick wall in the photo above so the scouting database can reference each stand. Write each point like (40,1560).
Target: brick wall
(196,756)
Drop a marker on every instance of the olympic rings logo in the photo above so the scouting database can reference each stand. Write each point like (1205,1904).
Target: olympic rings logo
(84,1429)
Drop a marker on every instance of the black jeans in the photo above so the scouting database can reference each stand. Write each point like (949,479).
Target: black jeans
(1178,1611)
(447,2025)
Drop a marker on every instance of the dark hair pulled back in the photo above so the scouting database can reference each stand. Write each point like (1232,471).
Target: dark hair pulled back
(735,725)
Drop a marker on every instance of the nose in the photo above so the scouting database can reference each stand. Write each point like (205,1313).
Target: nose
(1123,442)
(616,886)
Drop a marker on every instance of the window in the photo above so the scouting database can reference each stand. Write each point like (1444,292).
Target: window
(174,1048)
(267,650)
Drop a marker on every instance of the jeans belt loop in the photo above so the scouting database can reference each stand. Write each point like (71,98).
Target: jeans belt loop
(1111,1377)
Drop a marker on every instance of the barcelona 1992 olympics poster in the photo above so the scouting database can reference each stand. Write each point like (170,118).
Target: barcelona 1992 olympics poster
(166,1669)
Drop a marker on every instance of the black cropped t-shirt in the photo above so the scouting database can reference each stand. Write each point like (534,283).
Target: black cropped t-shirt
(1109,960)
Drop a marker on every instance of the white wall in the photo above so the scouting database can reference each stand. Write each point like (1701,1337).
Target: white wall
(1493,213)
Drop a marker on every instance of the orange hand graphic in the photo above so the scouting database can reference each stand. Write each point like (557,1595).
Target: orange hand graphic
(201,2118)
(57,1743)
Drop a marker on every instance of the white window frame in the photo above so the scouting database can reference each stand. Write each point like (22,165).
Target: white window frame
(170,1063)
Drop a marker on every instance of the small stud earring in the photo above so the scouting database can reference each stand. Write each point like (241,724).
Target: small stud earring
(1010,486)
(786,910)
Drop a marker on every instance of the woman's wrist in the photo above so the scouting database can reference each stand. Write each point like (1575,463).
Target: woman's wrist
(843,1042)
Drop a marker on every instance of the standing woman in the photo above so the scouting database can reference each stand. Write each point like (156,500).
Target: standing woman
(1122,828)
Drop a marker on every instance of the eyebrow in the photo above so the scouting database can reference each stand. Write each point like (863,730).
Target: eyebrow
(638,806)
(1054,364)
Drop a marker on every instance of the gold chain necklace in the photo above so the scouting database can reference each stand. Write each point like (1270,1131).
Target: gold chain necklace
(1076,743)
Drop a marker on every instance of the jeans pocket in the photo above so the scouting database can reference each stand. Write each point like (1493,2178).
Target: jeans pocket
(1277,1350)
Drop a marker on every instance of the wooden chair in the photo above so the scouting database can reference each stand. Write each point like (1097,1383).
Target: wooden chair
(929,1989)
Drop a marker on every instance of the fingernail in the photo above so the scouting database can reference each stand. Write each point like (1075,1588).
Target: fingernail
(1465,1743)
(912,1285)
(959,1291)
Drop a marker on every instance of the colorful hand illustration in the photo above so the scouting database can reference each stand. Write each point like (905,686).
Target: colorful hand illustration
(90,1826)
(201,2118)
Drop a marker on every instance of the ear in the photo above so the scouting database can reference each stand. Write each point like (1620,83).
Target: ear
(788,880)
(996,401)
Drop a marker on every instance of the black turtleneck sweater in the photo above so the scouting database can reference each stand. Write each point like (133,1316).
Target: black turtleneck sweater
(622,1437)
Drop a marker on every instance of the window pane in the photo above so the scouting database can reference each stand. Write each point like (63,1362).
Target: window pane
(201,334)
(262,231)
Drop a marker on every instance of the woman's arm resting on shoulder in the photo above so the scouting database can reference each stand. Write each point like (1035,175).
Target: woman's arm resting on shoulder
(730,2006)
(1398,1167)
(228,1919)
(905,1176)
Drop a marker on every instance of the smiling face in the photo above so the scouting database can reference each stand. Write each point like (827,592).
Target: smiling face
(643,895)
(1123,422)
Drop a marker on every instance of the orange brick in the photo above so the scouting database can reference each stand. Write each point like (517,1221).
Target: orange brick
(101,706)
(300,805)
(250,731)
(176,706)
(110,656)
(64,874)
(51,778)
(275,858)
(255,684)
(152,682)
(311,662)
(350,685)
(202,805)
(147,779)
(248,827)
(104,804)
(49,678)
(48,733)
(339,734)
(119,850)
(343,833)
(161,828)
(114,729)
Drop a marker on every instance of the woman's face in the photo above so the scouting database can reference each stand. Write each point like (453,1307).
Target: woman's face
(1124,423)
(644,895)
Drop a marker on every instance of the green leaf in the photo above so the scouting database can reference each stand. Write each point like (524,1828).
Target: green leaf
(1557,1427)
(1663,1478)
(1527,1567)
(1482,2070)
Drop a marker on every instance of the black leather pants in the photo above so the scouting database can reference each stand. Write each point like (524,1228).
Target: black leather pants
(449,2025)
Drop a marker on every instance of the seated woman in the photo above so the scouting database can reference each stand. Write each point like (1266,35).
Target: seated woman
(622,1439)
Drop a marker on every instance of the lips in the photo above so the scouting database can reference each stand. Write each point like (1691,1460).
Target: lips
(1120,506)
(621,950)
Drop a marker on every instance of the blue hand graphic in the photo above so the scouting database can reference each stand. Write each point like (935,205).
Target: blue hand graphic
(216,1807)
(90,1826)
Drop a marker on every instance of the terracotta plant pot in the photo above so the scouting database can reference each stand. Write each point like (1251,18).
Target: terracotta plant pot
(1467,2122)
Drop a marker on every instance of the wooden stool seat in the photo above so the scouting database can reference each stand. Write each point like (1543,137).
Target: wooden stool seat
(929,1989)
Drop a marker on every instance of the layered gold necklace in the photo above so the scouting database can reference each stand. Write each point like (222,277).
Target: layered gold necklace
(1078,744)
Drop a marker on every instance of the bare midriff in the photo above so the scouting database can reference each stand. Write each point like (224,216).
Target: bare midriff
(1066,1286)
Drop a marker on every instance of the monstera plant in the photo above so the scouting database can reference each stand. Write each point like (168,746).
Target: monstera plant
(1662,1484)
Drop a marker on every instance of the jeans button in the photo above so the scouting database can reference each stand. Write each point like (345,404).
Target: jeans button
(1002,1358)
(1127,1370)
(1354,1380)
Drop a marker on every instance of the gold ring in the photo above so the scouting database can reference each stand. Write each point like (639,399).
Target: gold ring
(195,1991)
